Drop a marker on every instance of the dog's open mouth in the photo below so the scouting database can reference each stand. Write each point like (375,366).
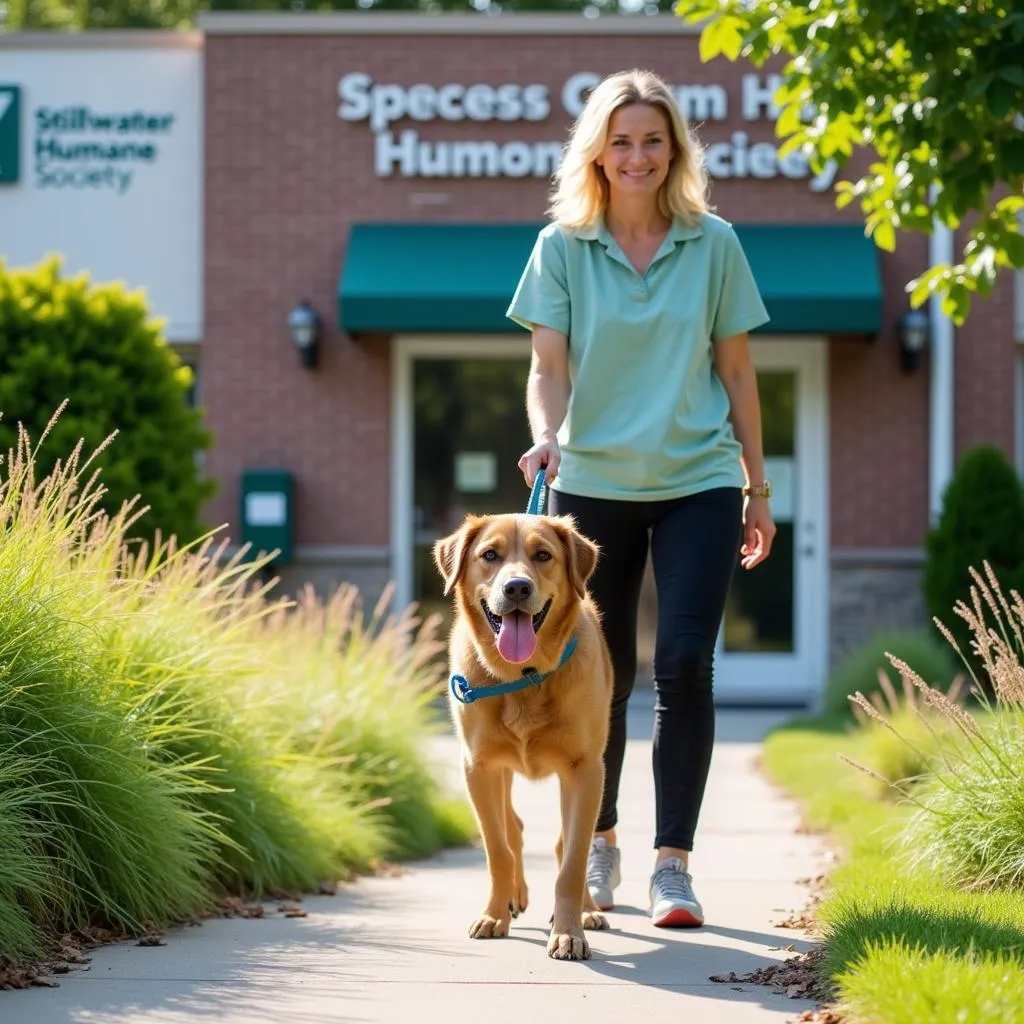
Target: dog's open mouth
(516,632)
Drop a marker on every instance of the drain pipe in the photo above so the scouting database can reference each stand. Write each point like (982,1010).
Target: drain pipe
(943,387)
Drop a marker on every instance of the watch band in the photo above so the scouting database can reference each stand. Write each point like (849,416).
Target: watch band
(761,490)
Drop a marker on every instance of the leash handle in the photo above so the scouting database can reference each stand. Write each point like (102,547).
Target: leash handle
(539,494)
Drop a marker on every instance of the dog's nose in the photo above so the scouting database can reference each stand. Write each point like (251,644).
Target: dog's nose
(518,589)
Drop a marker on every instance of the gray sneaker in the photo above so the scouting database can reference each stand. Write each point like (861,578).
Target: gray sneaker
(603,872)
(673,904)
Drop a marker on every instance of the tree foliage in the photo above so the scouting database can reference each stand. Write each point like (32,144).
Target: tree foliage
(935,88)
(94,346)
(75,15)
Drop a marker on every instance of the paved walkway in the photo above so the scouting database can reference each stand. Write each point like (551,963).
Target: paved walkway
(395,949)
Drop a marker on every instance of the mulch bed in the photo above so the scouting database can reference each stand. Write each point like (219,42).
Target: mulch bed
(799,977)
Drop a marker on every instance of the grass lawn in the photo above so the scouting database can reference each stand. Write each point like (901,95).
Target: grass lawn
(902,946)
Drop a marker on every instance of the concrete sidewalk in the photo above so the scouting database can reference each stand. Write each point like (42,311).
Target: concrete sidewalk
(396,949)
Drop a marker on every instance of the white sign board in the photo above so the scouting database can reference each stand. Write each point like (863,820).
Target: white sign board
(266,508)
(110,170)
(476,472)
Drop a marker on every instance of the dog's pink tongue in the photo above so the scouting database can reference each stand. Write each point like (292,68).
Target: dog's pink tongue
(516,639)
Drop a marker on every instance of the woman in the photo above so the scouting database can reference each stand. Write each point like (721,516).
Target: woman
(644,412)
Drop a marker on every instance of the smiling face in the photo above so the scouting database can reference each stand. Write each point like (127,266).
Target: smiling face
(518,579)
(638,150)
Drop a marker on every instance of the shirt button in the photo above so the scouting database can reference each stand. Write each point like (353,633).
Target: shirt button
(640,295)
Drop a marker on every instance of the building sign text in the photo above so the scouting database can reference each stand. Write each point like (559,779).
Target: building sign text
(404,153)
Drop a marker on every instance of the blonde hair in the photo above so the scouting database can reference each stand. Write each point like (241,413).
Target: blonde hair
(580,192)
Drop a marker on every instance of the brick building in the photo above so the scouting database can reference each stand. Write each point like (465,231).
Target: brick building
(392,171)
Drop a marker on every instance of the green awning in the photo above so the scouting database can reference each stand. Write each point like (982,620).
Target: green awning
(459,278)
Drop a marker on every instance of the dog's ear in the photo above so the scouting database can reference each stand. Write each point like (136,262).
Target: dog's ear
(450,552)
(581,554)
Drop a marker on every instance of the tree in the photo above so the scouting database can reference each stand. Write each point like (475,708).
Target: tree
(64,338)
(981,521)
(935,88)
(74,15)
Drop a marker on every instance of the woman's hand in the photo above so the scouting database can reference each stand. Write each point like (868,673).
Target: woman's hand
(544,454)
(758,532)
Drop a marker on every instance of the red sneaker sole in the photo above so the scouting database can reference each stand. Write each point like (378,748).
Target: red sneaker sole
(678,919)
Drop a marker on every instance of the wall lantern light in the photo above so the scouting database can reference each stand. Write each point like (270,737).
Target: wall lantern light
(304,327)
(913,334)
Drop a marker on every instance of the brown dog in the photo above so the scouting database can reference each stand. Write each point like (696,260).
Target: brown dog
(521,600)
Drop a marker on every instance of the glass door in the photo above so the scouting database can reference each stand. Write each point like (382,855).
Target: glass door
(469,429)
(772,644)
(461,426)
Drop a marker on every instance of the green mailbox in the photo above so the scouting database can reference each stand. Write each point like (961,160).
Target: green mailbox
(268,511)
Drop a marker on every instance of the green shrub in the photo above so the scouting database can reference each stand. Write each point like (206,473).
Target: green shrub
(169,736)
(909,751)
(967,826)
(188,633)
(367,705)
(981,520)
(931,657)
(115,832)
(64,339)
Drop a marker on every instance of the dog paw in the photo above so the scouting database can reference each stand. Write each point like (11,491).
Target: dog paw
(520,901)
(488,927)
(566,946)
(594,922)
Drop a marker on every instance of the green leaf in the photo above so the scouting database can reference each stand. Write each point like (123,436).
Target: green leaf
(1013,248)
(1010,205)
(846,192)
(921,289)
(1001,98)
(1013,73)
(979,84)
(1012,156)
(696,10)
(792,144)
(723,36)
(885,236)
(789,120)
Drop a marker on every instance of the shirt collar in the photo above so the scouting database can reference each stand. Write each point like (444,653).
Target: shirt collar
(598,231)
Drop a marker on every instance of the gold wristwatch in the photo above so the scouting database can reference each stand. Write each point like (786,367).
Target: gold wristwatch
(762,490)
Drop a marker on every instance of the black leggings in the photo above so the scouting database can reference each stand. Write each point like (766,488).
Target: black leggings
(694,545)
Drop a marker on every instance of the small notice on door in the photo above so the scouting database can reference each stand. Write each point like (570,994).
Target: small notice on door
(476,472)
(782,473)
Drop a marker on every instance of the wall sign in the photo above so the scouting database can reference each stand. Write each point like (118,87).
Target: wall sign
(79,147)
(101,161)
(10,133)
(401,152)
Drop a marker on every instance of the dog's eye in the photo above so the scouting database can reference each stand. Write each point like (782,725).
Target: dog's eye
(490,555)
(543,556)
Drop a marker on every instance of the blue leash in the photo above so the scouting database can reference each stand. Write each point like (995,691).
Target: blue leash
(539,494)
(459,685)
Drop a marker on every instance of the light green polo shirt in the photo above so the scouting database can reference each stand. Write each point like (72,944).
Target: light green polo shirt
(648,417)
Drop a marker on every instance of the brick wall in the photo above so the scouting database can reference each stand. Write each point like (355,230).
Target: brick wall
(985,371)
(286,178)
